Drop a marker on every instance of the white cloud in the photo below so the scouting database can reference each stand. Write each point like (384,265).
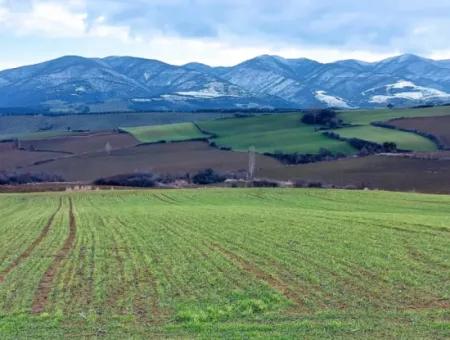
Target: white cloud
(3,13)
(67,19)
(178,50)
(101,29)
(50,19)
(219,32)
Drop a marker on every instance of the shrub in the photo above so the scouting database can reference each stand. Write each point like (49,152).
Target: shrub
(326,117)
(207,176)
(367,148)
(140,180)
(13,178)
(265,183)
(298,158)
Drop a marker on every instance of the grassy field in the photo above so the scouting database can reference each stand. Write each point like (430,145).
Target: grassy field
(225,263)
(166,133)
(365,117)
(404,140)
(40,135)
(270,133)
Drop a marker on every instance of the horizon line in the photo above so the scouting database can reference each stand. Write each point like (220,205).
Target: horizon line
(243,61)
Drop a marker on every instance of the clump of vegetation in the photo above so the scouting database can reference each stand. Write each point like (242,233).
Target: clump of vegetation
(369,148)
(140,180)
(298,158)
(14,178)
(365,147)
(326,117)
(208,176)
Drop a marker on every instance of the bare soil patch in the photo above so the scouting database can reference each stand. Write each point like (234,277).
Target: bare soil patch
(83,143)
(376,172)
(171,158)
(12,159)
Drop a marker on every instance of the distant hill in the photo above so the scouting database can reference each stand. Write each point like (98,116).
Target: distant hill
(77,84)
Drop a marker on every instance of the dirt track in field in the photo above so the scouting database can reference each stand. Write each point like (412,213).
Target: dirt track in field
(46,283)
(32,246)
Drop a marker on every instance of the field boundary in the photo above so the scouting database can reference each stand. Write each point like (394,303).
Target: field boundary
(32,246)
(46,283)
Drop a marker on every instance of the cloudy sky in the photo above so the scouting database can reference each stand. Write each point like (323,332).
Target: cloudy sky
(222,32)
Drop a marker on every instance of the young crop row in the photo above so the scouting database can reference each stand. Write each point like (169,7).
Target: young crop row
(221,261)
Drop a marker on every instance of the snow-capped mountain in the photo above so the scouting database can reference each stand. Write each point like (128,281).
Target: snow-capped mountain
(74,83)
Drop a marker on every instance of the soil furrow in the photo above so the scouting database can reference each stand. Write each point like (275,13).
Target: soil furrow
(32,246)
(269,279)
(47,280)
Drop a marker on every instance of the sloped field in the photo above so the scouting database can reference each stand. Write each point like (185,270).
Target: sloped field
(225,263)
(271,133)
(166,133)
(436,126)
(403,140)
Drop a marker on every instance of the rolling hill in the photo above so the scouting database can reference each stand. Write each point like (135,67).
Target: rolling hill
(77,84)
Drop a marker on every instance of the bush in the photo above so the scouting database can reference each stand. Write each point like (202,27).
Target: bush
(368,148)
(140,180)
(326,117)
(298,158)
(207,176)
(265,183)
(13,178)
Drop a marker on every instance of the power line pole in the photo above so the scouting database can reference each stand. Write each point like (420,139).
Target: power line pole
(251,163)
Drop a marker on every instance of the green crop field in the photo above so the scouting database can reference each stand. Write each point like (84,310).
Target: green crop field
(366,117)
(167,133)
(225,263)
(270,133)
(37,135)
(404,140)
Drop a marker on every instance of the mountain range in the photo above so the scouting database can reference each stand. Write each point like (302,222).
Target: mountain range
(78,84)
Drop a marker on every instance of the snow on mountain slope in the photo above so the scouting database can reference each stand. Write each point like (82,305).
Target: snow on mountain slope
(330,100)
(407,90)
(265,81)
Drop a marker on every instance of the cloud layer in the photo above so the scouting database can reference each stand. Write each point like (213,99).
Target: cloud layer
(223,31)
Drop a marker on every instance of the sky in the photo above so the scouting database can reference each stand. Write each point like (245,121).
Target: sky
(222,32)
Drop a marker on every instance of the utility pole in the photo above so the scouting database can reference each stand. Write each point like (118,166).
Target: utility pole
(251,163)
(108,148)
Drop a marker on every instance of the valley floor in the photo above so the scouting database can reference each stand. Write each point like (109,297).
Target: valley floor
(225,263)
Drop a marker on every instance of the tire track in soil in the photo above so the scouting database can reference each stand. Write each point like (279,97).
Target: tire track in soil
(32,246)
(273,282)
(46,283)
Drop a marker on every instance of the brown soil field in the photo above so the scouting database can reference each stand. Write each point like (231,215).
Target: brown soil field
(60,147)
(6,146)
(375,172)
(172,158)
(84,159)
(436,126)
(83,143)
(11,159)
